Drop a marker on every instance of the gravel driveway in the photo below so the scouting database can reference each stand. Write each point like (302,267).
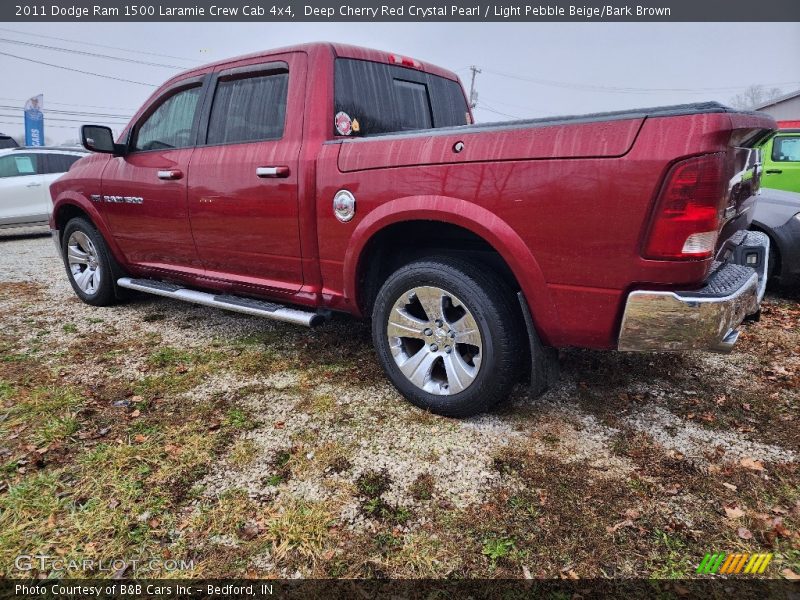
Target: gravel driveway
(631,465)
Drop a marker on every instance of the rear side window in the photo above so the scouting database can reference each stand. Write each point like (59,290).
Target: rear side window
(171,124)
(385,98)
(59,163)
(17,165)
(786,148)
(248,109)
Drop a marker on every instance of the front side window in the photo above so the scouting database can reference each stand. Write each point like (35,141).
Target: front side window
(385,98)
(248,109)
(170,125)
(18,165)
(786,149)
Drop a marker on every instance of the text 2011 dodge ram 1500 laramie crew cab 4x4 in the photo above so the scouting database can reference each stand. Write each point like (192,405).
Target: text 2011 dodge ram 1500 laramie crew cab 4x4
(325,177)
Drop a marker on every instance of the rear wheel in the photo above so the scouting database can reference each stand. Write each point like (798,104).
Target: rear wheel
(448,336)
(88,262)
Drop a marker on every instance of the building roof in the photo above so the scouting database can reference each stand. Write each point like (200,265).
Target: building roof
(778,100)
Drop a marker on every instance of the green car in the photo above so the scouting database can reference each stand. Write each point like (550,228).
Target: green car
(781,158)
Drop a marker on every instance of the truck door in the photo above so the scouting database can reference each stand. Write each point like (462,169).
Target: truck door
(144,192)
(782,163)
(243,181)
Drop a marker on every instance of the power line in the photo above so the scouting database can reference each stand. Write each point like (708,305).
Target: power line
(623,90)
(74,113)
(92,54)
(39,62)
(504,103)
(60,119)
(498,112)
(60,39)
(73,127)
(131,110)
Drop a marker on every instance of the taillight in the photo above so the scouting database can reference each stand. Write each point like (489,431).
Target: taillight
(689,210)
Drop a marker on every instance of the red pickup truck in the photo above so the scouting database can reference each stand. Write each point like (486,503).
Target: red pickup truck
(323,177)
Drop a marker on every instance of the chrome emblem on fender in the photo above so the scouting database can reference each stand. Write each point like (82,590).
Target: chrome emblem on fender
(124,199)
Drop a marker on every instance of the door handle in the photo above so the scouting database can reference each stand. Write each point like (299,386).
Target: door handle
(265,172)
(170,174)
(34,185)
(774,171)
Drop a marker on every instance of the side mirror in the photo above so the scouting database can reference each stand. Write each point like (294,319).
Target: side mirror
(97,138)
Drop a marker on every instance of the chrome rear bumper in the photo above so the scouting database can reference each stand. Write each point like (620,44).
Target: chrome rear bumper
(705,319)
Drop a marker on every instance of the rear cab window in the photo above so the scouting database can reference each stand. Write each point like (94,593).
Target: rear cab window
(786,148)
(372,98)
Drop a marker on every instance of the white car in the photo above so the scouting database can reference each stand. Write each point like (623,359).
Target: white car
(25,178)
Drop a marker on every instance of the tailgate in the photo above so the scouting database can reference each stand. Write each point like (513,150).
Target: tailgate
(745,170)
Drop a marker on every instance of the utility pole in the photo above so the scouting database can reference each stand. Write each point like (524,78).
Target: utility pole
(473,95)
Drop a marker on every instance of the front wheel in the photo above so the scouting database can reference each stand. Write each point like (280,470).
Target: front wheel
(88,262)
(448,336)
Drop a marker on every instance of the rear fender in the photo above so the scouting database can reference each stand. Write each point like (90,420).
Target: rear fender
(483,223)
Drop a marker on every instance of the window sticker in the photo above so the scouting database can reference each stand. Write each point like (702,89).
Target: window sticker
(25,165)
(344,125)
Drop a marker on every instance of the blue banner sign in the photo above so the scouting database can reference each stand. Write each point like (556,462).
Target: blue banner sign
(34,121)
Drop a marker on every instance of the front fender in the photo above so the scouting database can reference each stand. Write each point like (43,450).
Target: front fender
(483,223)
(77,200)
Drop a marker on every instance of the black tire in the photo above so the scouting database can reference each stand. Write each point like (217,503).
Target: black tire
(104,292)
(491,304)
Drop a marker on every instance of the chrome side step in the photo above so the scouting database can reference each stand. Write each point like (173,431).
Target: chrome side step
(248,306)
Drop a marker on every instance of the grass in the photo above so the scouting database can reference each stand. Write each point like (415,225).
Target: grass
(115,500)
(83,477)
(673,561)
(52,408)
(115,496)
(243,453)
(497,548)
(423,487)
(298,527)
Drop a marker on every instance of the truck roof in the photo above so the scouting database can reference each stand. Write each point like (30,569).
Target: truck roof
(338,50)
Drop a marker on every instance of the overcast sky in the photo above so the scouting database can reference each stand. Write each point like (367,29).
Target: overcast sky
(580,67)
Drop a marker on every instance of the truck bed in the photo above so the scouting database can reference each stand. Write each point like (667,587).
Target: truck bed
(596,135)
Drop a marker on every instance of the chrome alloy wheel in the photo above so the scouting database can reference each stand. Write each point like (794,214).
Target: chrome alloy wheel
(435,340)
(84,263)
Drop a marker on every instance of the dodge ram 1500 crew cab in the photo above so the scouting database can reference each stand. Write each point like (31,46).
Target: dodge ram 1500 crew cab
(323,177)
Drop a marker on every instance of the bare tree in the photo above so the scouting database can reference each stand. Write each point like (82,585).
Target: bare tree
(754,95)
